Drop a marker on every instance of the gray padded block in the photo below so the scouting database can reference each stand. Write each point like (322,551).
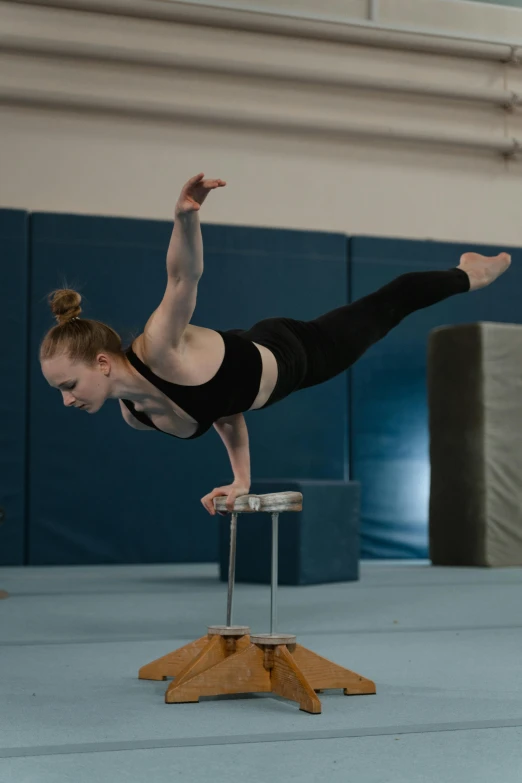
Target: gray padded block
(475,421)
(317,545)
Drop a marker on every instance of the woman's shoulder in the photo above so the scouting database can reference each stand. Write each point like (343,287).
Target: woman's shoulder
(158,355)
(191,363)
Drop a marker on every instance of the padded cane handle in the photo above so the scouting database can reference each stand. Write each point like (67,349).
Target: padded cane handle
(271,503)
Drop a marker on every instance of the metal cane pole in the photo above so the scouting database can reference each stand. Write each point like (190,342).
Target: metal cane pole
(273,592)
(231,567)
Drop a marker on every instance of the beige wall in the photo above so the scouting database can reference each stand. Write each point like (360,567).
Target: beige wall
(454,17)
(491,22)
(109,114)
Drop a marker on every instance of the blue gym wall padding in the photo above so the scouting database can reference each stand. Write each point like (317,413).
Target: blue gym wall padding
(101,492)
(13,372)
(389,416)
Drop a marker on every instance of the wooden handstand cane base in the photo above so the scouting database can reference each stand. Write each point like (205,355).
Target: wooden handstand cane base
(230,660)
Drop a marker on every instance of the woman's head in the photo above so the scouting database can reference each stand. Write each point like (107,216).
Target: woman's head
(77,354)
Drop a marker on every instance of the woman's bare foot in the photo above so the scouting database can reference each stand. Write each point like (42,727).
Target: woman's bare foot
(482,270)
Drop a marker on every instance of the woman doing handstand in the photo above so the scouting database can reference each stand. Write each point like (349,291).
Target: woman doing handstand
(182,379)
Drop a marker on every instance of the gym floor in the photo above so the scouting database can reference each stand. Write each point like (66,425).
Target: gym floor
(442,645)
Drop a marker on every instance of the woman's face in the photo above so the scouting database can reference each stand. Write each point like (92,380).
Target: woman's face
(83,386)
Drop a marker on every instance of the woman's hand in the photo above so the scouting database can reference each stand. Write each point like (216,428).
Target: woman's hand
(231,491)
(194,193)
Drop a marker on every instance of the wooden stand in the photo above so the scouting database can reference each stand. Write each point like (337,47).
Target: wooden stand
(220,642)
(230,660)
(3,594)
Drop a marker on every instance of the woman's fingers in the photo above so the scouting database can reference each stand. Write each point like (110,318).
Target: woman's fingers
(211,184)
(208,499)
(231,495)
(208,183)
(206,504)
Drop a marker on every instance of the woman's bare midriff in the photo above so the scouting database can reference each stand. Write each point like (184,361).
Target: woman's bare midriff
(194,363)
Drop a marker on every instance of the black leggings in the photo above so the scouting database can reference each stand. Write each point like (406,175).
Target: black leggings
(311,352)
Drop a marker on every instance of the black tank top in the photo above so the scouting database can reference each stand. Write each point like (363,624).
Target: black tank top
(232,390)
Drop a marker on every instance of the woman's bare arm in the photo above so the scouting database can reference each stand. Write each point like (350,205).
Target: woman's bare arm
(166,326)
(185,253)
(234,433)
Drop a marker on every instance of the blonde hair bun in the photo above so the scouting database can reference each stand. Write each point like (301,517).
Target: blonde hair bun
(65,304)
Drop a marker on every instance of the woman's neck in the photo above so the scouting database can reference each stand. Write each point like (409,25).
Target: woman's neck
(128,384)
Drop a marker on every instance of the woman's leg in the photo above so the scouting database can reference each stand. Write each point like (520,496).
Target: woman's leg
(312,352)
(335,340)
